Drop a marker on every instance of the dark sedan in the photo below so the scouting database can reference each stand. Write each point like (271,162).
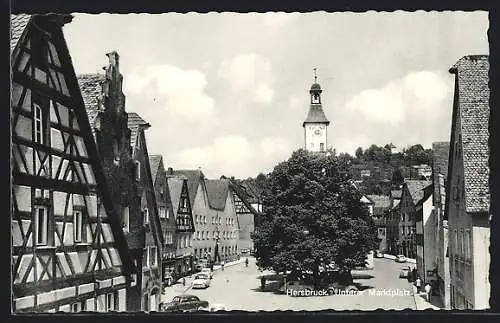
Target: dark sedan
(185,303)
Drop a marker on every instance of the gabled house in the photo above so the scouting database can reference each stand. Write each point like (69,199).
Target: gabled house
(381,205)
(68,249)
(412,194)
(425,230)
(245,212)
(105,105)
(149,255)
(440,156)
(468,195)
(178,188)
(166,214)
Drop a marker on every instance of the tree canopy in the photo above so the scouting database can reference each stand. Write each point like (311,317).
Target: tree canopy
(313,216)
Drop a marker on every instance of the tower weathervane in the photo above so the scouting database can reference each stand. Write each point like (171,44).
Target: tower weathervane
(315,77)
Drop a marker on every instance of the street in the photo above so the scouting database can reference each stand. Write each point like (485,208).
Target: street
(238,288)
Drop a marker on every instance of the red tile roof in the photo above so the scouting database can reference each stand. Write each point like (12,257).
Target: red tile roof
(18,24)
(134,123)
(416,189)
(91,88)
(154,163)
(217,191)
(471,113)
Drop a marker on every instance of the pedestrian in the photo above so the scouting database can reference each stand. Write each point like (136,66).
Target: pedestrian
(246,262)
(428,289)
(418,283)
(262,282)
(183,281)
(222,266)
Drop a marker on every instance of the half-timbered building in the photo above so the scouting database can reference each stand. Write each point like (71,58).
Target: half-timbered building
(150,280)
(105,105)
(167,218)
(68,249)
(182,210)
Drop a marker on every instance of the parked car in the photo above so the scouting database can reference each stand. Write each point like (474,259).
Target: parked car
(190,303)
(201,281)
(405,271)
(207,271)
(245,251)
(217,307)
(400,258)
(379,254)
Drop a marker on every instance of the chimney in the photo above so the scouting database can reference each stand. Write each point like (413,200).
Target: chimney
(114,59)
(170,171)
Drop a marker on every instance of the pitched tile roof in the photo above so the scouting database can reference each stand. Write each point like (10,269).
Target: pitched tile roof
(316,115)
(217,190)
(240,190)
(154,164)
(472,113)
(174,184)
(194,177)
(440,156)
(134,123)
(396,204)
(416,189)
(91,88)
(381,204)
(18,24)
(396,194)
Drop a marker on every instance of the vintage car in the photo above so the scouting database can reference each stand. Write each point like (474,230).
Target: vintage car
(379,254)
(184,303)
(207,271)
(405,271)
(201,281)
(400,258)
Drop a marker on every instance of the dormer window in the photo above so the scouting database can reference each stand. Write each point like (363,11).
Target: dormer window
(116,153)
(137,170)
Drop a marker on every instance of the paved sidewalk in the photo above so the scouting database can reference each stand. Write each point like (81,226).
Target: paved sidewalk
(420,301)
(177,289)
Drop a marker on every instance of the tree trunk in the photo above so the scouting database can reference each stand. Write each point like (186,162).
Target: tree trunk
(316,276)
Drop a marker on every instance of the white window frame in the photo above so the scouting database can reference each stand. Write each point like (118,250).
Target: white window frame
(137,170)
(126,219)
(76,307)
(162,190)
(77,226)
(145,219)
(43,225)
(38,122)
(162,212)
(205,219)
(110,302)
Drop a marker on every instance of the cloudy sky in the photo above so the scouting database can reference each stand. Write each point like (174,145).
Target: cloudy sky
(229,92)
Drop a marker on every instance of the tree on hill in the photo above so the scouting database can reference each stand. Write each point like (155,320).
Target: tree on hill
(359,153)
(313,216)
(397,177)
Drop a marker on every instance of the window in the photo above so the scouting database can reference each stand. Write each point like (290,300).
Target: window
(199,235)
(161,189)
(125,219)
(467,244)
(322,147)
(145,257)
(162,212)
(110,302)
(213,220)
(116,153)
(38,119)
(137,170)
(461,241)
(184,203)
(77,226)
(77,307)
(205,219)
(153,256)
(145,216)
(41,224)
(455,233)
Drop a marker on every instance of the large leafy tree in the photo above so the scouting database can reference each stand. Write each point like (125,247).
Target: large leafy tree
(313,216)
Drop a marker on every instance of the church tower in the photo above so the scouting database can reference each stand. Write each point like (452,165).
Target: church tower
(316,123)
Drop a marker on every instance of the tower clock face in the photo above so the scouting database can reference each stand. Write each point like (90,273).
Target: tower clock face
(317,132)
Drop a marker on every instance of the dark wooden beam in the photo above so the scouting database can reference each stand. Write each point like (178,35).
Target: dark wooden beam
(52,184)
(48,149)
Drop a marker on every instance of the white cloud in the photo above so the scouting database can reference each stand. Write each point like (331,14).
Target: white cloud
(180,92)
(393,102)
(264,94)
(295,103)
(234,155)
(249,74)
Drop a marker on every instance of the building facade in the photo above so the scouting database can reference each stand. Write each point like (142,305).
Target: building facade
(440,155)
(150,278)
(316,124)
(105,106)
(68,250)
(425,237)
(468,196)
(392,221)
(381,205)
(167,218)
(182,210)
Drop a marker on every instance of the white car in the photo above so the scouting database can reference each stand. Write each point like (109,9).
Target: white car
(207,271)
(201,281)
(400,258)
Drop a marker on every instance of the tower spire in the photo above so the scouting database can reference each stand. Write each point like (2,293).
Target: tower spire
(315,76)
